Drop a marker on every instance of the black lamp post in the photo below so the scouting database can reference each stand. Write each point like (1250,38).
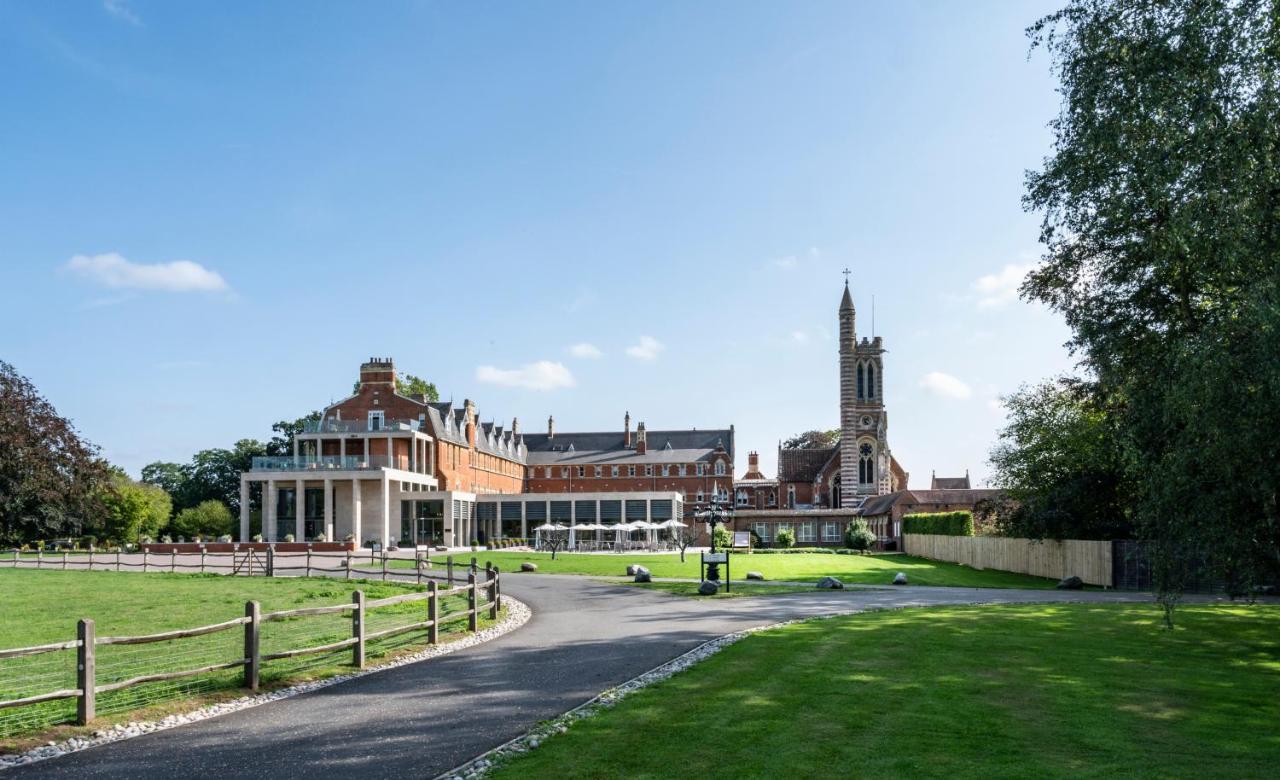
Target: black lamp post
(713,514)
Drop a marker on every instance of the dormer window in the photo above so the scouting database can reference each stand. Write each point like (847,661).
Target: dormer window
(377,420)
(719,468)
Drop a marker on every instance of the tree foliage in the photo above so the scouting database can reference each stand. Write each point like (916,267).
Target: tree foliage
(1161,219)
(50,478)
(206,519)
(132,510)
(813,440)
(414,386)
(858,535)
(1059,465)
(786,538)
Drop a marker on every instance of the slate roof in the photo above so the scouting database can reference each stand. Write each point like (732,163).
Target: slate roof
(881,505)
(687,446)
(950,483)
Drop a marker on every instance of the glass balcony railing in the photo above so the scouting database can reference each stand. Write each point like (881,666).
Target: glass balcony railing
(359,426)
(324,463)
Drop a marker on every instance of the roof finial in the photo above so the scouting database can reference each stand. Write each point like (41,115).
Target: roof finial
(846,273)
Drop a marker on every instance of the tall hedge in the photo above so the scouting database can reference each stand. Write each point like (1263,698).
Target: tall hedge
(940,523)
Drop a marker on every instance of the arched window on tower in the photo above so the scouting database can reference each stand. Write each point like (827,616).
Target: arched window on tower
(871,382)
(866,464)
(860,385)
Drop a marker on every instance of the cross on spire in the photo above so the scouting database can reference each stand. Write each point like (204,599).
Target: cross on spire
(846,273)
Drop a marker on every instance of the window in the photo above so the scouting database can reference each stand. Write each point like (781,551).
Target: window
(804,533)
(719,468)
(762,531)
(702,469)
(582,471)
(377,420)
(773,499)
(871,381)
(631,471)
(861,392)
(830,532)
(648,471)
(564,473)
(700,497)
(684,470)
(791,496)
(866,464)
(599,471)
(613,470)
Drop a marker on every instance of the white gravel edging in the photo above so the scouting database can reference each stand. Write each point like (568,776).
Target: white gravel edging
(518,613)
(481,766)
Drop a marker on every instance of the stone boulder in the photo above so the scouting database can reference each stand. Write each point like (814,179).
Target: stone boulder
(632,569)
(643,575)
(708,588)
(830,583)
(754,575)
(527,566)
(1071,583)
(900,578)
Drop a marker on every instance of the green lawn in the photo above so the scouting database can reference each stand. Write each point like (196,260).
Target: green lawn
(1014,691)
(798,567)
(43,606)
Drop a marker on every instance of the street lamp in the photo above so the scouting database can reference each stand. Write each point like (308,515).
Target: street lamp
(713,513)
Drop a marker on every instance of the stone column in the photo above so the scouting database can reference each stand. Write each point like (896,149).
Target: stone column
(524,523)
(413,453)
(573,521)
(269,510)
(244,509)
(342,452)
(300,511)
(357,531)
(391,462)
(328,510)
(366,449)
(386,509)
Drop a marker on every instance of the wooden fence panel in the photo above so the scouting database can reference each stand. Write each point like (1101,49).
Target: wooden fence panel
(1088,560)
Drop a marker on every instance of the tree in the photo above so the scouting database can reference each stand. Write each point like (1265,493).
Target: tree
(1161,206)
(414,386)
(1059,464)
(208,518)
(286,430)
(49,476)
(723,537)
(683,537)
(813,440)
(212,475)
(858,536)
(132,510)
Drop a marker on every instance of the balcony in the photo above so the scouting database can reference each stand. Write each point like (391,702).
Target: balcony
(359,426)
(324,463)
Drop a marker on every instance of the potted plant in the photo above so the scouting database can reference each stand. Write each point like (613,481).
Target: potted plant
(320,538)
(288,537)
(257,537)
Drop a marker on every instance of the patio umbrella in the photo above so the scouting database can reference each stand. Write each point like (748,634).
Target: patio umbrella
(673,523)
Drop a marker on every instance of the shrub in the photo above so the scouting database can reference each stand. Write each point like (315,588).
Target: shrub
(723,537)
(288,537)
(857,536)
(940,523)
(257,537)
(787,538)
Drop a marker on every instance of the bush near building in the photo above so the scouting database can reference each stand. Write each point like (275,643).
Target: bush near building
(939,523)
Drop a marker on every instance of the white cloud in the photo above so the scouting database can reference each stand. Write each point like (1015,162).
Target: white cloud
(799,336)
(647,349)
(1000,288)
(945,385)
(121,10)
(791,261)
(112,270)
(585,350)
(540,375)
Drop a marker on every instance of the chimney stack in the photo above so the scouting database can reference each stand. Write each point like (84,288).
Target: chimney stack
(551,427)
(626,430)
(515,426)
(469,411)
(642,446)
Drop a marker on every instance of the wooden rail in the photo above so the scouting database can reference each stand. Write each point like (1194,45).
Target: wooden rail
(87,641)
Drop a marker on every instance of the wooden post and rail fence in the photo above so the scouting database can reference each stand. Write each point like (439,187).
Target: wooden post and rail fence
(1091,561)
(87,642)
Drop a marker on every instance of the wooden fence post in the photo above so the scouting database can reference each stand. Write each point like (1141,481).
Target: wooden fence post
(173,561)
(449,565)
(357,629)
(202,560)
(433,612)
(40,556)
(16,556)
(117,559)
(308,560)
(145,555)
(64,560)
(384,567)
(86,673)
(493,590)
(252,645)
(271,561)
(472,618)
(417,566)
(475,568)
(90,557)
(348,564)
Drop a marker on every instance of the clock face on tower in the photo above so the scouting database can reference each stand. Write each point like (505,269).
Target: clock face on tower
(866,421)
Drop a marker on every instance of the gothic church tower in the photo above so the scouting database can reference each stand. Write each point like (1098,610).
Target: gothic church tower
(864,447)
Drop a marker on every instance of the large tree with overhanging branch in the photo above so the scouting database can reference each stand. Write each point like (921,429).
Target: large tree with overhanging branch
(1161,218)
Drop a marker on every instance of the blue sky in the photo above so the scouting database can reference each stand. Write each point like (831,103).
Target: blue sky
(211,213)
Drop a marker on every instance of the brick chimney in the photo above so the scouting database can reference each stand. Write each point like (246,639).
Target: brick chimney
(626,430)
(515,426)
(753,466)
(469,412)
(642,446)
(378,371)
(551,427)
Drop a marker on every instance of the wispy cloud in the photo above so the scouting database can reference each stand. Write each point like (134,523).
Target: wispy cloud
(120,9)
(539,375)
(1001,288)
(791,261)
(585,350)
(114,271)
(945,386)
(584,299)
(648,348)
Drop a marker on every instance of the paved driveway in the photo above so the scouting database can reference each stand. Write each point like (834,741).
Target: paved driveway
(425,718)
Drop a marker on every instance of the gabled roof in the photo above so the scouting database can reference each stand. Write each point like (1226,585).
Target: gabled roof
(950,483)
(677,446)
(803,465)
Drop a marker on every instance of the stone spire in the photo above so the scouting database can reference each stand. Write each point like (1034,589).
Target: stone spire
(848,399)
